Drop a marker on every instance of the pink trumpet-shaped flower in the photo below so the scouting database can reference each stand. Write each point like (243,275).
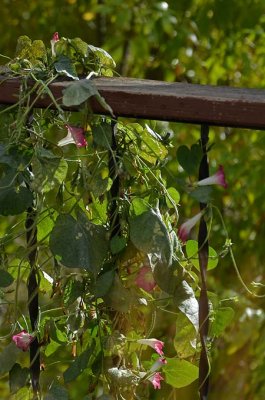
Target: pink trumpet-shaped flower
(156,344)
(155,380)
(55,38)
(158,364)
(185,228)
(145,279)
(217,179)
(75,135)
(23,340)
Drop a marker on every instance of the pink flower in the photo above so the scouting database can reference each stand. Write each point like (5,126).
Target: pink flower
(55,38)
(154,343)
(185,228)
(75,135)
(217,179)
(145,279)
(155,380)
(23,340)
(158,364)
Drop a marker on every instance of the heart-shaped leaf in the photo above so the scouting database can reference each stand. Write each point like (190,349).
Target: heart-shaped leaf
(189,159)
(79,243)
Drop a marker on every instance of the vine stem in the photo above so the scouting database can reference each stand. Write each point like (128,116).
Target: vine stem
(33,288)
(231,253)
(115,187)
(33,298)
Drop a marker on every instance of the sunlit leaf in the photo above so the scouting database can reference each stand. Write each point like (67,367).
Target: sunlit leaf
(149,234)
(103,56)
(186,337)
(223,317)
(49,171)
(180,373)
(192,254)
(185,300)
(173,195)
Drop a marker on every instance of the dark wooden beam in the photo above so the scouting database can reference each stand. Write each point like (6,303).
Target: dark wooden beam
(183,102)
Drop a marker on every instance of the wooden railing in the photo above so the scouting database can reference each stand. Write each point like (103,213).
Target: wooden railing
(179,102)
(183,102)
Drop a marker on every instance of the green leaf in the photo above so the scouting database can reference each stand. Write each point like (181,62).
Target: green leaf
(103,284)
(151,149)
(122,377)
(14,198)
(78,366)
(102,56)
(223,317)
(49,171)
(185,338)
(149,234)
(165,278)
(5,278)
(65,66)
(79,243)
(117,244)
(96,367)
(174,195)
(38,52)
(18,377)
(57,392)
(192,254)
(78,92)
(189,159)
(202,194)
(118,297)
(51,348)
(24,393)
(57,334)
(186,302)
(180,373)
(45,224)
(80,46)
(102,135)
(8,358)
(139,206)
(23,47)
(14,201)
(72,290)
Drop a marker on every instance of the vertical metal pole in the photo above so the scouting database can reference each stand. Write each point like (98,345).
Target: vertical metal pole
(204,368)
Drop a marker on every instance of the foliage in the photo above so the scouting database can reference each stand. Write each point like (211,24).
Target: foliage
(199,41)
(101,213)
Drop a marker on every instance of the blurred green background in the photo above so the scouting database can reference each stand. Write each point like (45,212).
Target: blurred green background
(217,42)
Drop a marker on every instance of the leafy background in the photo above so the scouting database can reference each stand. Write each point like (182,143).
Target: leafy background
(208,42)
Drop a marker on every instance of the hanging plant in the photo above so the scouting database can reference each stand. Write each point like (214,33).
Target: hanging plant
(90,228)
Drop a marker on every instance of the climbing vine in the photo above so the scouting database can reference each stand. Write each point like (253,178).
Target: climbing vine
(91,230)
